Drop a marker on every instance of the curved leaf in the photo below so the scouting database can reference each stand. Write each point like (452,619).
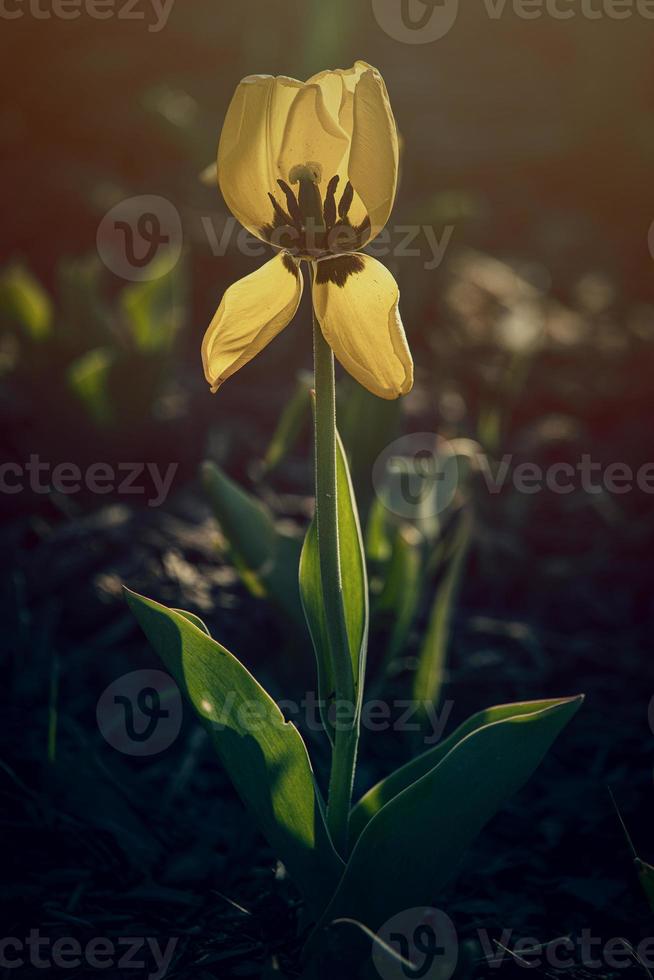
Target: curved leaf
(267,560)
(413,844)
(432,657)
(385,790)
(290,425)
(355,588)
(264,755)
(399,600)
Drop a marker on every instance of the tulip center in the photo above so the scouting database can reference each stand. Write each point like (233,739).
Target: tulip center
(312,225)
(308,176)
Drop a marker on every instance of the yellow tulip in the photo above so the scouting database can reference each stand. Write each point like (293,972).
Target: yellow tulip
(311,168)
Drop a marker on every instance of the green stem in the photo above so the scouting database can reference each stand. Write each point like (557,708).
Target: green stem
(346,734)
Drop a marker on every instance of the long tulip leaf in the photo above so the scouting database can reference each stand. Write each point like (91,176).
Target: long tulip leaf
(432,657)
(266,559)
(414,844)
(263,754)
(355,591)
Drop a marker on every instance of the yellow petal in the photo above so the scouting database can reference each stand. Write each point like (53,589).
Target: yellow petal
(312,133)
(356,300)
(371,163)
(374,156)
(252,312)
(250,145)
(338,86)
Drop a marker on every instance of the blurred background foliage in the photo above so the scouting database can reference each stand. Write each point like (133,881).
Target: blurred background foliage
(528,142)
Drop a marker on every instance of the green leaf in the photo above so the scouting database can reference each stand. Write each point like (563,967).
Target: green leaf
(432,657)
(89,378)
(192,618)
(355,588)
(378,537)
(400,596)
(23,298)
(413,845)
(264,755)
(153,310)
(368,425)
(387,789)
(289,427)
(267,560)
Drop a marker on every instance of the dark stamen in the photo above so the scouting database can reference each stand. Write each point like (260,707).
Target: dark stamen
(310,205)
(363,230)
(346,201)
(329,210)
(280,214)
(293,206)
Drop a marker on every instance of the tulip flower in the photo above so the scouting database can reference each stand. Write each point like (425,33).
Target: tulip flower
(311,169)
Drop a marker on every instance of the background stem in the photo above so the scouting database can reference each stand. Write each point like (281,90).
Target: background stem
(346,728)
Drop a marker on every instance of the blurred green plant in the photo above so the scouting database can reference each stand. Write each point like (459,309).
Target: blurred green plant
(265,557)
(97,348)
(24,301)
